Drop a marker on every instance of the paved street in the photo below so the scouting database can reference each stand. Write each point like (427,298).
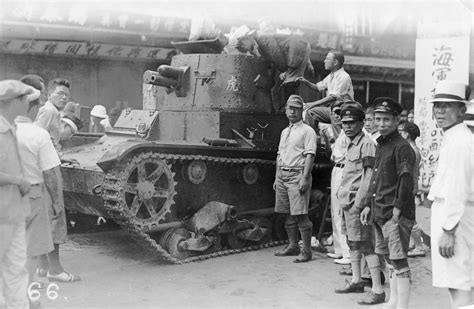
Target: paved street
(117,273)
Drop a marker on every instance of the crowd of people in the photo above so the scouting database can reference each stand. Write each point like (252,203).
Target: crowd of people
(32,213)
(374,186)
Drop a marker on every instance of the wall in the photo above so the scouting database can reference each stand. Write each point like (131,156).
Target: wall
(93,81)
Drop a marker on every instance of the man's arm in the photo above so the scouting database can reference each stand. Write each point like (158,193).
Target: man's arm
(52,186)
(22,184)
(44,118)
(405,162)
(308,167)
(368,162)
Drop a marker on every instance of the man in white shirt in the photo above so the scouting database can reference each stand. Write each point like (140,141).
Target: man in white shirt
(49,118)
(338,87)
(452,193)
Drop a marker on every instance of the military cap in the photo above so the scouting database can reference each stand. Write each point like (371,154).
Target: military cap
(450,91)
(295,101)
(11,89)
(387,105)
(352,113)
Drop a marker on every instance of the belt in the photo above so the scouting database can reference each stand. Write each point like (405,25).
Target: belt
(341,165)
(291,169)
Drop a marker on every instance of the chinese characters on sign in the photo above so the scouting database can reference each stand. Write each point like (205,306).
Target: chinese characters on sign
(437,58)
(84,49)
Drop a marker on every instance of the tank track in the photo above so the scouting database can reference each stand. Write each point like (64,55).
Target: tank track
(113,204)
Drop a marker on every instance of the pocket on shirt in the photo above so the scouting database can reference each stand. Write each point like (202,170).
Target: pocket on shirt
(355,160)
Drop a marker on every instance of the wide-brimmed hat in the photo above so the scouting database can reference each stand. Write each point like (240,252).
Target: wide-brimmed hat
(450,91)
(99,111)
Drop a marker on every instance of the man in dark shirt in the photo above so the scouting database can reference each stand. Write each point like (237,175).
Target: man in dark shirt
(390,199)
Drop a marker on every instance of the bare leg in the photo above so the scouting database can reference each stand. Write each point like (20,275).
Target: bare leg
(460,298)
(55,266)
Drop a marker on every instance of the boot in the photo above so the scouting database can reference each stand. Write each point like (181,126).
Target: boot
(306,254)
(292,249)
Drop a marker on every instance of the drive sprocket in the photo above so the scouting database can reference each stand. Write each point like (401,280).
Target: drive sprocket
(147,189)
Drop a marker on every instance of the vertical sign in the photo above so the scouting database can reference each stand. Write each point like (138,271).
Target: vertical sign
(442,52)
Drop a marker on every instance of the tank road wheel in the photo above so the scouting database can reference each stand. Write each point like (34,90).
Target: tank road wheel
(148,190)
(233,241)
(171,240)
(266,224)
(195,171)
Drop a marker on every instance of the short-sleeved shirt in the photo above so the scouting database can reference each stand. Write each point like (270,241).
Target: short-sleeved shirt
(360,155)
(296,141)
(339,148)
(37,151)
(49,118)
(391,184)
(338,84)
(13,207)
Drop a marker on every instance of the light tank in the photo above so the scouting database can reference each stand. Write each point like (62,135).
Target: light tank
(191,175)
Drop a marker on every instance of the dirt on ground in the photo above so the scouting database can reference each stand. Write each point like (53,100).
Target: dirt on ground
(117,273)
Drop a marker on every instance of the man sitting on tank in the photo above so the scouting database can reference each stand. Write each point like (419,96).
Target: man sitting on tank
(293,180)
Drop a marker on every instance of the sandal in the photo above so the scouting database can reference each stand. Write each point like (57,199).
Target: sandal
(63,277)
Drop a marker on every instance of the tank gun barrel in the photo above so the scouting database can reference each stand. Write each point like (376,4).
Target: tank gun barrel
(167,76)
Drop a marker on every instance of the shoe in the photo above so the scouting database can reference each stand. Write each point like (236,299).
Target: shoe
(63,277)
(343,261)
(288,251)
(350,287)
(41,272)
(416,252)
(346,271)
(368,280)
(372,298)
(334,255)
(304,257)
(328,241)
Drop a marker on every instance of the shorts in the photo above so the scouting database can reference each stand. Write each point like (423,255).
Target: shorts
(58,224)
(393,238)
(38,227)
(288,199)
(353,228)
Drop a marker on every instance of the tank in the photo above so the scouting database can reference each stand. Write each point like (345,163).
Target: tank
(191,175)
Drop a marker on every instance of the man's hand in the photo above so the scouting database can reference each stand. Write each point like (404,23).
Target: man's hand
(282,76)
(301,79)
(275,186)
(69,161)
(303,185)
(57,209)
(24,186)
(446,244)
(396,214)
(364,216)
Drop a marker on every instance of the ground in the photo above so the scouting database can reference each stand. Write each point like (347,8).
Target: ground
(117,273)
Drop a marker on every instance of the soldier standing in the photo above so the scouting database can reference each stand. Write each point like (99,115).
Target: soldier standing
(293,179)
(357,171)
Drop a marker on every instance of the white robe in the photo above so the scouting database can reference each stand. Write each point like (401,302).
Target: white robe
(453,194)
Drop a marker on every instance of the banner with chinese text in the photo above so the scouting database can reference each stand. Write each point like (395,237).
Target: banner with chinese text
(442,52)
